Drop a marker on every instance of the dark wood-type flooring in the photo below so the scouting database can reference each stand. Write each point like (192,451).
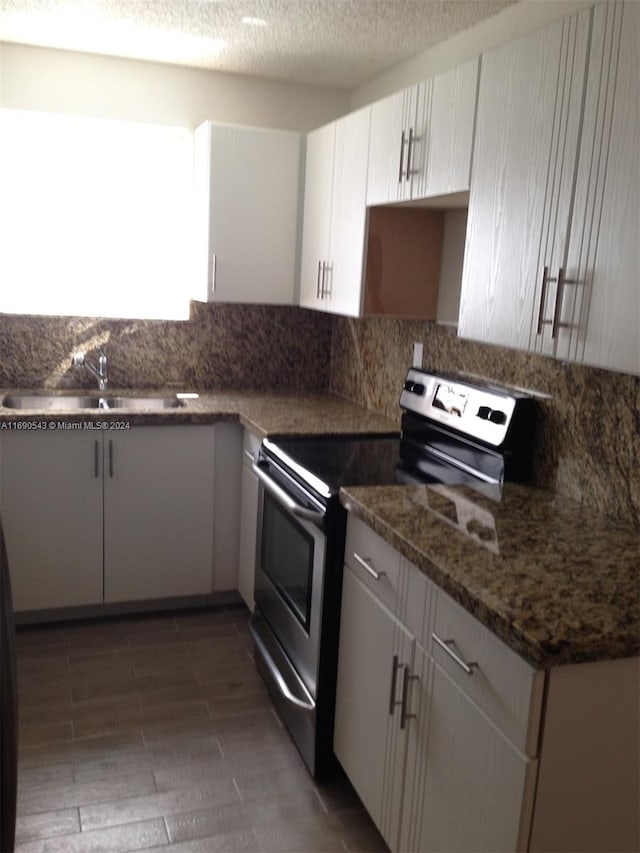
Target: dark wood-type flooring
(156,733)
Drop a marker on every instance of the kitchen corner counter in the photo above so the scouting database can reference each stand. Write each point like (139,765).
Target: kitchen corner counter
(263,413)
(556,582)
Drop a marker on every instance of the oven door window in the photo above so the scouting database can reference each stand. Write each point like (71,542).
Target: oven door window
(287,558)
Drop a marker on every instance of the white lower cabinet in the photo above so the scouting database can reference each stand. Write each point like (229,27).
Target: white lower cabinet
(52,517)
(368,741)
(414,731)
(93,517)
(468,787)
(455,743)
(158,512)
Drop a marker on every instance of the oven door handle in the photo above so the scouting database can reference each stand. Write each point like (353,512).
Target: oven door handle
(275,673)
(283,497)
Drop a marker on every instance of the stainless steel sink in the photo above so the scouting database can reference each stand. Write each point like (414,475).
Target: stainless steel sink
(142,403)
(50,402)
(68,402)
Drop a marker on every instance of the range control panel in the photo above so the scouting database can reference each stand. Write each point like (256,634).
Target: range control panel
(479,411)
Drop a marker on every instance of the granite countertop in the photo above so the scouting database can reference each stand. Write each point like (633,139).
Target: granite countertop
(558,583)
(262,413)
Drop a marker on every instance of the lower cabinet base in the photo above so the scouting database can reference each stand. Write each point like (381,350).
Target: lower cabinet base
(227,598)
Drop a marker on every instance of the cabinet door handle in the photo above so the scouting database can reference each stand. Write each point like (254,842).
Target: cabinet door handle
(395,666)
(401,169)
(404,714)
(409,151)
(327,271)
(557,310)
(449,647)
(543,301)
(318,280)
(562,281)
(365,562)
(96,459)
(110,458)
(214,269)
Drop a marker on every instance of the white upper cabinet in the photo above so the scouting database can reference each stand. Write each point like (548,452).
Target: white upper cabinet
(551,258)
(318,192)
(421,138)
(452,117)
(599,316)
(335,216)
(393,119)
(528,104)
(247,195)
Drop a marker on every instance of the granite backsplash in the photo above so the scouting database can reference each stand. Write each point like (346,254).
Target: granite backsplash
(220,347)
(588,437)
(588,434)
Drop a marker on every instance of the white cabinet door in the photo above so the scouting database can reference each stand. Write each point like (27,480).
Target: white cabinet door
(421,138)
(52,517)
(158,512)
(344,277)
(392,118)
(248,193)
(474,790)
(527,132)
(447,155)
(374,648)
(318,195)
(600,313)
(248,521)
(335,216)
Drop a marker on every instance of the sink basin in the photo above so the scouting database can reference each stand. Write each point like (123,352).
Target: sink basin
(67,402)
(143,403)
(50,402)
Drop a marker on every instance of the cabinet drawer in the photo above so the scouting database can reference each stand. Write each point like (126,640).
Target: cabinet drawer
(501,683)
(369,555)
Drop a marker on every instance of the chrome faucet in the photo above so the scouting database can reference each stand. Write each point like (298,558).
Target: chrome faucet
(100,372)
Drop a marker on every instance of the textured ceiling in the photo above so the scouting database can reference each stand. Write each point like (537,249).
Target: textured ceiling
(326,42)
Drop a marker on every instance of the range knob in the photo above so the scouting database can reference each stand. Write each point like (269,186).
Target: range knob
(414,387)
(497,417)
(484,412)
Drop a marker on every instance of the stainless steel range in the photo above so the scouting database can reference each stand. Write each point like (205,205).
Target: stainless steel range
(452,431)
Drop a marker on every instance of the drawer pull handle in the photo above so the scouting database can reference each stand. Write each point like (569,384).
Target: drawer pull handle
(365,562)
(449,648)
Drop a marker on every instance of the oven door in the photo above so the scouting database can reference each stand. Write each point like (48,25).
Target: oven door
(290,570)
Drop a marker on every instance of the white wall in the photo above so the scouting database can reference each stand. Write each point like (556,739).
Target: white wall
(524,16)
(107,87)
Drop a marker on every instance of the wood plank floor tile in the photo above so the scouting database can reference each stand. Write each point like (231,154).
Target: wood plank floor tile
(234,842)
(45,733)
(220,820)
(139,835)
(32,800)
(217,792)
(47,824)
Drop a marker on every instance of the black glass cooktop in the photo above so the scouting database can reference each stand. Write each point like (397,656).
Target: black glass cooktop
(329,462)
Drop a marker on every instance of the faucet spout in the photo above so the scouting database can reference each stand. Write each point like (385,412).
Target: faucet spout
(100,372)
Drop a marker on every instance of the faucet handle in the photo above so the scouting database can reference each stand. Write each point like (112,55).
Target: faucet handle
(77,359)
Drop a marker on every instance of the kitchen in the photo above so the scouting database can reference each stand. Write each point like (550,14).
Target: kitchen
(587,446)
